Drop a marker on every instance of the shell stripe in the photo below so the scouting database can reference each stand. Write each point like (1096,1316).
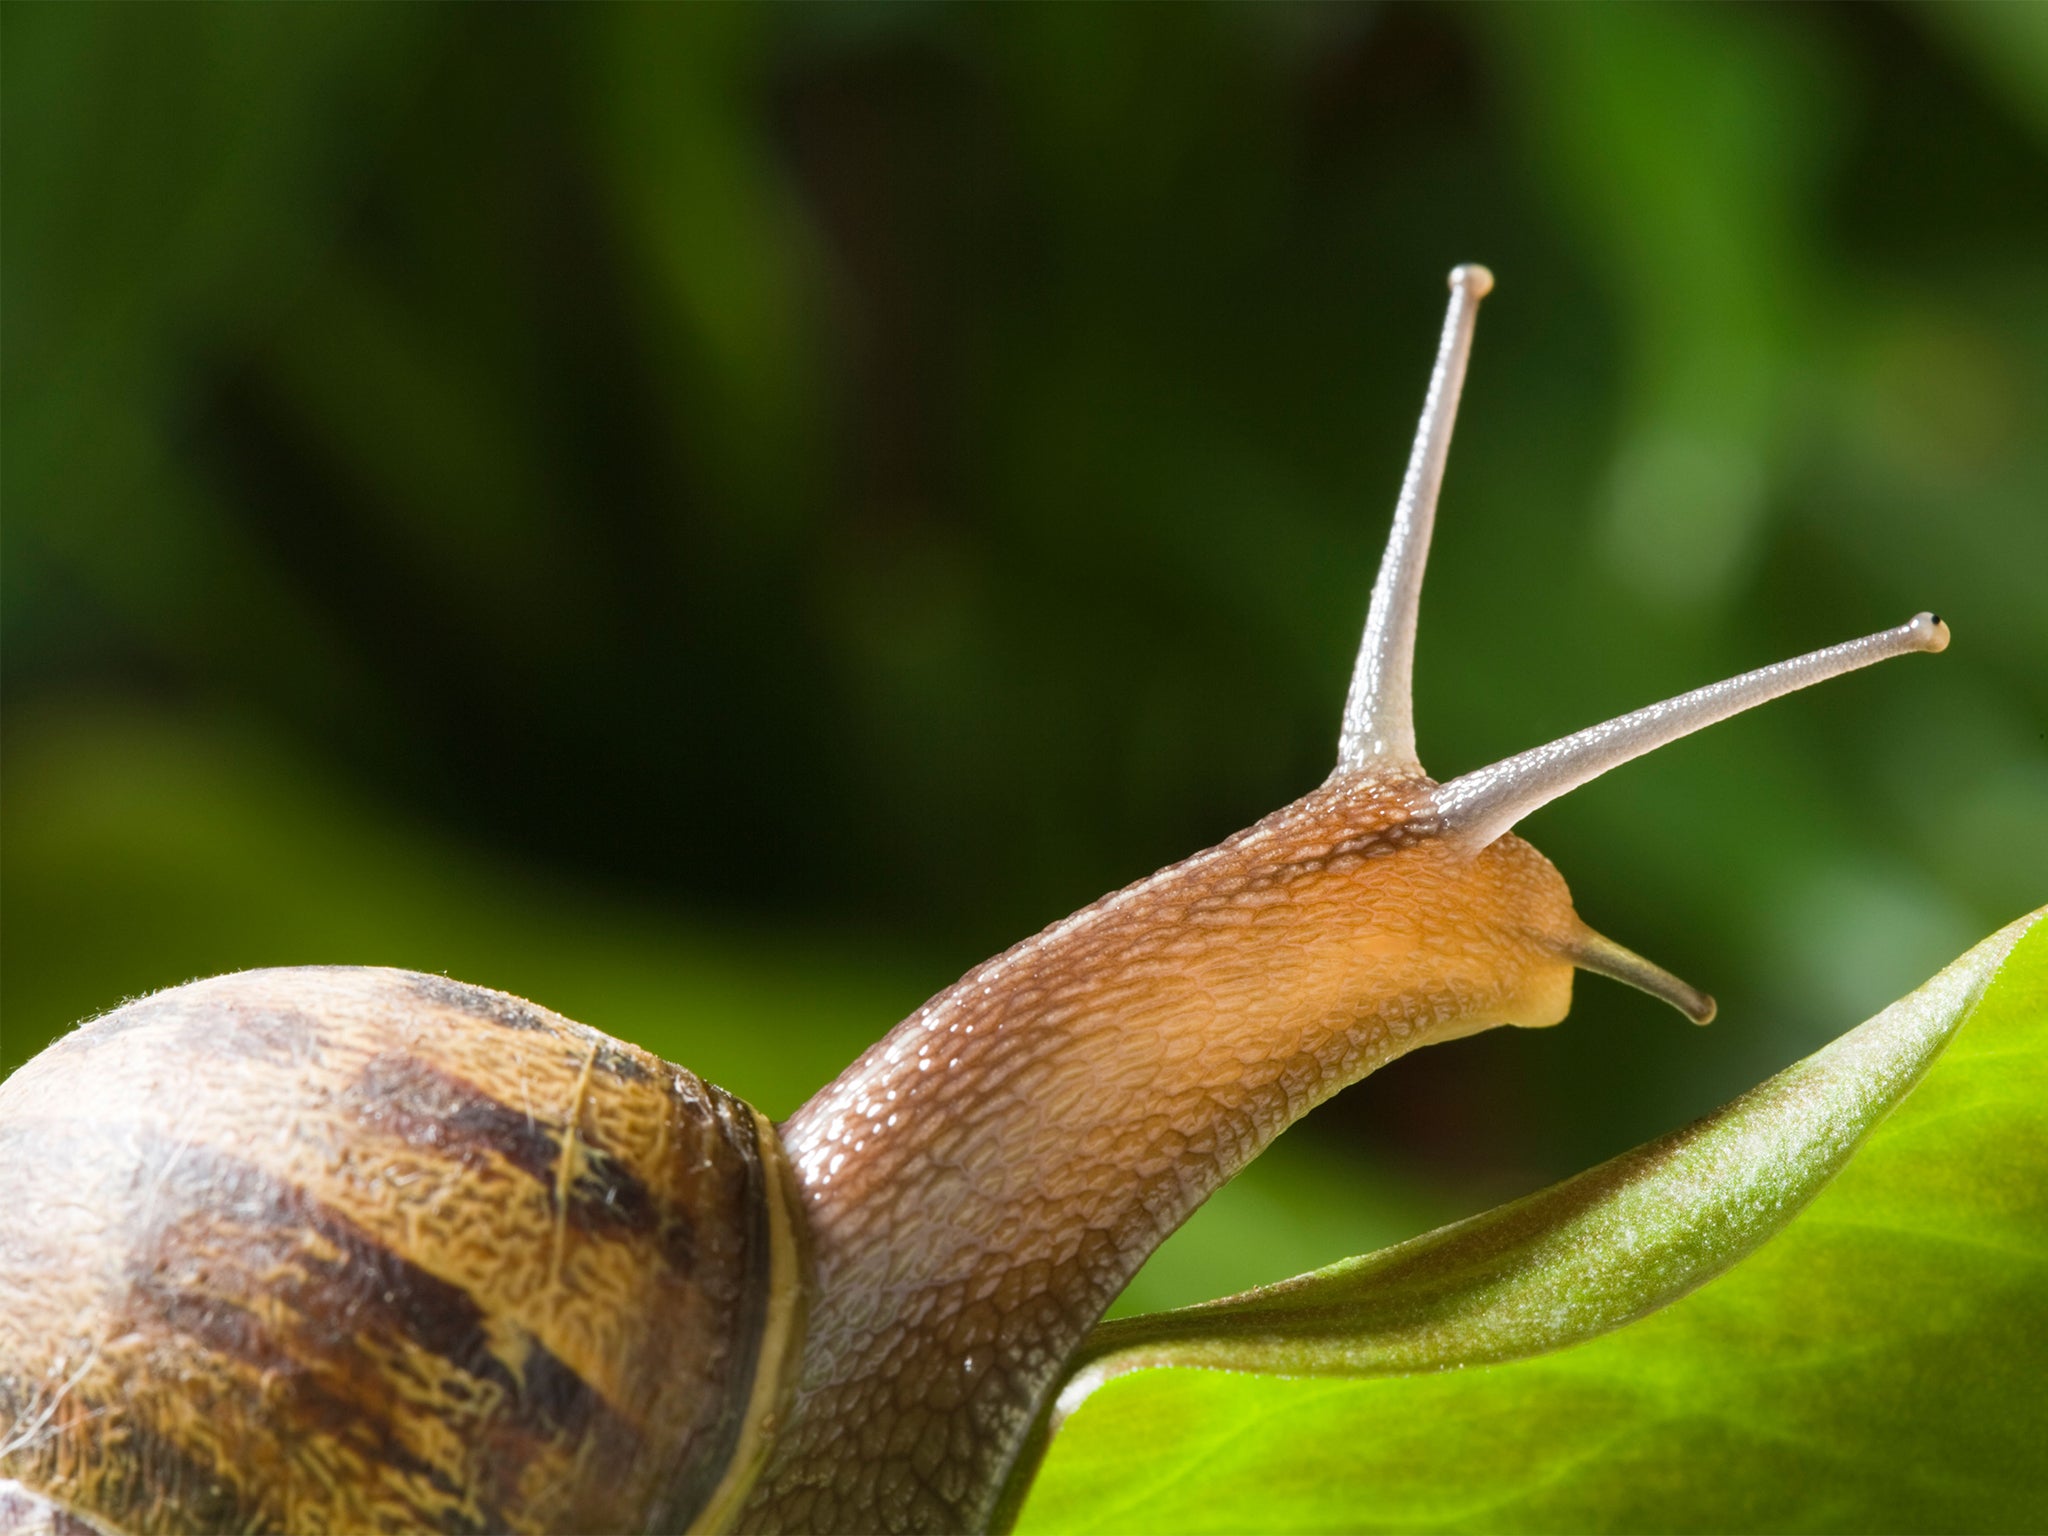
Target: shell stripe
(404,1095)
(295,1294)
(326,1327)
(340,1282)
(509,1012)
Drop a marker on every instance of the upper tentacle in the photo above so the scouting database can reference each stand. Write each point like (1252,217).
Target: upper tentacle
(1379,716)
(1479,806)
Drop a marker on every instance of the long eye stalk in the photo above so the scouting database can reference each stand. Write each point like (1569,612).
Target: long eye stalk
(1378,734)
(1479,806)
(1379,717)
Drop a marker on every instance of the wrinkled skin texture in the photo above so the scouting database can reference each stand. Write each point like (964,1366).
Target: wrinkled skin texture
(982,1182)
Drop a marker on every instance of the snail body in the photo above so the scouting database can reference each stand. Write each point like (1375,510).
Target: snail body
(371,1250)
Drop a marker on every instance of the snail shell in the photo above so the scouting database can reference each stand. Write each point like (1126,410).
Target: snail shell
(363,1249)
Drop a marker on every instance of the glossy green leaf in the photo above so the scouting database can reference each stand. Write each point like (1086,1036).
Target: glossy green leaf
(1881,1364)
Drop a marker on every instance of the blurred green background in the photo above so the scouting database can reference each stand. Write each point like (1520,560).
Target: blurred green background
(718,518)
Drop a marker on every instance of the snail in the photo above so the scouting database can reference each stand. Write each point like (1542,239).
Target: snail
(364,1249)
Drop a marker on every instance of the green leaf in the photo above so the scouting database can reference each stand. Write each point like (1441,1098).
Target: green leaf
(1881,1364)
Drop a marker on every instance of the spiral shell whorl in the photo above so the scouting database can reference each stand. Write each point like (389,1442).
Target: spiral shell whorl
(364,1249)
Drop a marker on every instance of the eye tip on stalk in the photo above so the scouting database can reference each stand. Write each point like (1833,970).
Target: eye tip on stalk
(1473,278)
(1481,805)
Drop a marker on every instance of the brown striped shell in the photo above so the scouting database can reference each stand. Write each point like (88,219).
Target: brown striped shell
(351,1249)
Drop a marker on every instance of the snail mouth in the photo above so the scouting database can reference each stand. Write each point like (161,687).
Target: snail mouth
(1597,953)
